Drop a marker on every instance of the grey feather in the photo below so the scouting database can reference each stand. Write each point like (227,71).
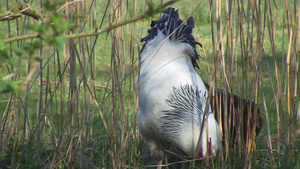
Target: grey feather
(187,107)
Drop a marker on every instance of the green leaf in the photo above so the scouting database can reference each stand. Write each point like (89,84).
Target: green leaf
(4,53)
(10,86)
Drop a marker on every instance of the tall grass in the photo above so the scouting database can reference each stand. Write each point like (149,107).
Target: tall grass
(70,102)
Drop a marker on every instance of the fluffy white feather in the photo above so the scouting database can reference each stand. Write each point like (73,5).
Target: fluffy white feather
(172,96)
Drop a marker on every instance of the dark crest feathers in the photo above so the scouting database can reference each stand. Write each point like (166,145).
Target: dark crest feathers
(176,29)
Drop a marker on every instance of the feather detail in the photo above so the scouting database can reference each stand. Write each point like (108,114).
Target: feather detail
(186,114)
(176,30)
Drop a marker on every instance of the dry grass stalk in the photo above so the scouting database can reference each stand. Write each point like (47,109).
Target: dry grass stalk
(84,124)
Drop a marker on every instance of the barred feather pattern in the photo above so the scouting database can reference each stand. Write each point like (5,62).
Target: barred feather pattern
(187,109)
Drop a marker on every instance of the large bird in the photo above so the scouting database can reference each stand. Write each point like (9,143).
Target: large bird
(172,96)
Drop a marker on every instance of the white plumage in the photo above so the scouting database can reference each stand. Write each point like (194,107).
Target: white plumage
(172,96)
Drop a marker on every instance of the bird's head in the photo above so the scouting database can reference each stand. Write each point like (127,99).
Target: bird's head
(209,141)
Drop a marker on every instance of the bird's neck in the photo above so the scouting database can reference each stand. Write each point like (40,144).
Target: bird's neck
(161,52)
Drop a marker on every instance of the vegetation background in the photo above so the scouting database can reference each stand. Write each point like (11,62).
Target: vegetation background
(67,73)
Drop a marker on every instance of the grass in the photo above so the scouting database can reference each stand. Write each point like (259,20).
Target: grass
(83,114)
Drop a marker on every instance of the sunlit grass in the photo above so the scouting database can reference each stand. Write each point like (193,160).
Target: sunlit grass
(77,137)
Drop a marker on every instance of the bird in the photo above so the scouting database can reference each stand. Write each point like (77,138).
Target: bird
(237,108)
(172,109)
